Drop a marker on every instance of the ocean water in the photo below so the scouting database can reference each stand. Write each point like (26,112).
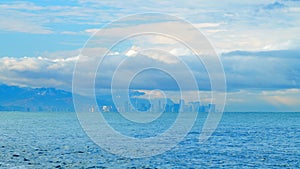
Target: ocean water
(242,140)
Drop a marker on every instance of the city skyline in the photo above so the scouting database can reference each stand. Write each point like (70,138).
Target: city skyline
(158,105)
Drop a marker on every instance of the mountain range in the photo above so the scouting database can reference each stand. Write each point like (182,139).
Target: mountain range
(14,98)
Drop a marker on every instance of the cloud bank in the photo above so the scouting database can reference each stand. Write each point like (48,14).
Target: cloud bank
(264,70)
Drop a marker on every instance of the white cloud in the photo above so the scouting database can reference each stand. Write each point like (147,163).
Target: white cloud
(288,97)
(152,94)
(37,71)
(283,100)
(19,64)
(207,25)
(19,24)
(91,31)
(268,100)
(21,5)
(37,19)
(180,52)
(133,51)
(242,26)
(70,33)
(222,37)
(159,40)
(162,54)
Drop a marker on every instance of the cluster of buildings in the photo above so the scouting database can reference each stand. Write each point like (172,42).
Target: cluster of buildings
(158,105)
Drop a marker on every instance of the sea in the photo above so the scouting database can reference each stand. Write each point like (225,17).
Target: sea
(241,140)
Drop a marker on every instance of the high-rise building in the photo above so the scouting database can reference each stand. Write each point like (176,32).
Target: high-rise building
(211,107)
(195,106)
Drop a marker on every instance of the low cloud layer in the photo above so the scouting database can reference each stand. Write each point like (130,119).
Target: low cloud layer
(37,72)
(272,70)
(269,70)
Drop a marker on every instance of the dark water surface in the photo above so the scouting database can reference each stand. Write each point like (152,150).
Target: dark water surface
(242,140)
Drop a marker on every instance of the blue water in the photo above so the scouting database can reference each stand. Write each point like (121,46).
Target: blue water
(242,140)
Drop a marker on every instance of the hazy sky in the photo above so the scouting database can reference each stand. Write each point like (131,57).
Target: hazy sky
(258,43)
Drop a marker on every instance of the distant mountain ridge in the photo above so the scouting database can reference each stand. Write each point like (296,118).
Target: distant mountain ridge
(14,98)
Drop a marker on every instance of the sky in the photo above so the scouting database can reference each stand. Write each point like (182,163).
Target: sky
(258,44)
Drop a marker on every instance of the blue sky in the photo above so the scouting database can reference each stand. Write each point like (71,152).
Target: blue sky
(258,43)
